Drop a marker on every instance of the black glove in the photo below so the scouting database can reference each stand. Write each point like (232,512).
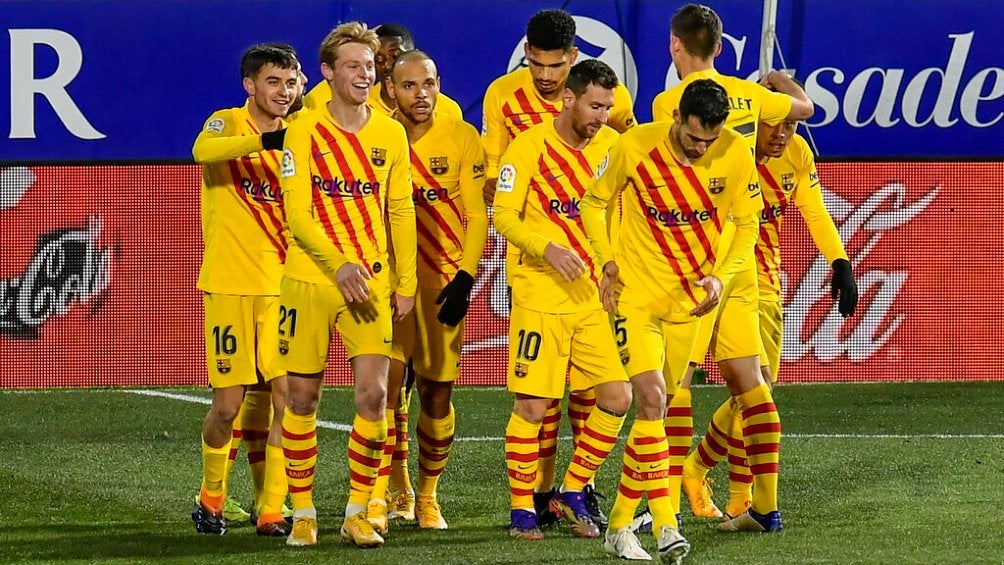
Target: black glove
(273,139)
(843,285)
(455,298)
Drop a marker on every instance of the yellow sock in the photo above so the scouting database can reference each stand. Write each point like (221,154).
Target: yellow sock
(598,436)
(679,423)
(740,478)
(383,476)
(714,446)
(366,449)
(521,456)
(435,439)
(547,439)
(762,437)
(400,480)
(276,488)
(256,411)
(214,466)
(299,448)
(645,471)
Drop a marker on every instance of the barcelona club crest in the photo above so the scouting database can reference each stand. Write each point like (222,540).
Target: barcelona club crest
(378,156)
(787,182)
(520,370)
(438,165)
(223,366)
(716,185)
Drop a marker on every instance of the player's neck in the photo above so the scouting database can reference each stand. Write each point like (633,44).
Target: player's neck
(687,65)
(762,159)
(415,130)
(349,117)
(563,125)
(265,122)
(675,147)
(553,97)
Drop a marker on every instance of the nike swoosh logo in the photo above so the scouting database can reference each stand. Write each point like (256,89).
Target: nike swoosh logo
(388,340)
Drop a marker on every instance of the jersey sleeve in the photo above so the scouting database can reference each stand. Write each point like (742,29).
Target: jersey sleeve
(401,217)
(493,132)
(746,205)
(472,180)
(774,106)
(218,140)
(809,199)
(600,195)
(296,191)
(622,114)
(510,200)
(661,110)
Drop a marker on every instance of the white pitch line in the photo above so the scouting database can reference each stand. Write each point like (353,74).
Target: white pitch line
(346,428)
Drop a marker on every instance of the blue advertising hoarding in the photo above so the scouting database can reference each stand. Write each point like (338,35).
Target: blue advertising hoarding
(117,80)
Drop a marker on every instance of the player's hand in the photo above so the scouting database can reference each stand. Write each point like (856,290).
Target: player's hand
(488,191)
(272,140)
(567,262)
(351,279)
(713,287)
(401,305)
(842,286)
(610,286)
(455,298)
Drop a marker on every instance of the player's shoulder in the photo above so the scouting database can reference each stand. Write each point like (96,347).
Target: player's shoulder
(317,96)
(448,106)
(225,119)
(646,135)
(798,151)
(733,142)
(509,82)
(606,136)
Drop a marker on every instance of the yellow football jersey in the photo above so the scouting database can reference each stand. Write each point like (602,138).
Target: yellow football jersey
(792,175)
(512,105)
(321,95)
(341,189)
(243,222)
(672,216)
(541,184)
(749,103)
(448,173)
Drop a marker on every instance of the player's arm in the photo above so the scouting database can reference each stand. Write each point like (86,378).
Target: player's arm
(801,105)
(401,217)
(217,142)
(746,205)
(494,138)
(622,114)
(472,179)
(296,193)
(596,211)
(510,200)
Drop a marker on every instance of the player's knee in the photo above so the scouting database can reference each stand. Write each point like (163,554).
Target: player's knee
(614,398)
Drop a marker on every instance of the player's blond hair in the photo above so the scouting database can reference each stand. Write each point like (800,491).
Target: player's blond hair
(349,32)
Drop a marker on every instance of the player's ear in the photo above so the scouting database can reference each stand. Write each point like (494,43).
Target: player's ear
(389,85)
(718,50)
(572,55)
(327,72)
(249,86)
(676,116)
(568,97)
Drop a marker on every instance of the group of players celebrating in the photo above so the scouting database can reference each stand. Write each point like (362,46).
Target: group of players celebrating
(633,252)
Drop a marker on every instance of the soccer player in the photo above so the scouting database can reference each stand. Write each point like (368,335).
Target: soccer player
(695,40)
(395,39)
(447,163)
(246,240)
(345,175)
(680,180)
(557,320)
(787,174)
(514,103)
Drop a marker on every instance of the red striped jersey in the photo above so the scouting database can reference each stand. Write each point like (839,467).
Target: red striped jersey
(341,190)
(541,183)
(672,216)
(448,173)
(792,176)
(243,223)
(512,105)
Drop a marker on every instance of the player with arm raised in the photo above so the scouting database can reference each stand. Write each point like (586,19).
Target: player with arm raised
(557,320)
(345,175)
(679,182)
(246,240)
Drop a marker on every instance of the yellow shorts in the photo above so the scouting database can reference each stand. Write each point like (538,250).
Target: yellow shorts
(730,332)
(308,312)
(241,339)
(432,346)
(771,334)
(542,347)
(653,344)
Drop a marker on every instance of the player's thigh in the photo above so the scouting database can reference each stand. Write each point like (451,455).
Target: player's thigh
(594,355)
(230,340)
(639,340)
(267,319)
(368,328)
(404,338)
(738,329)
(306,314)
(538,353)
(437,346)
(679,339)
(771,335)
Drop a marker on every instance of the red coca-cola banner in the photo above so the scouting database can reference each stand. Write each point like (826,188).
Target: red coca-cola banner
(97,279)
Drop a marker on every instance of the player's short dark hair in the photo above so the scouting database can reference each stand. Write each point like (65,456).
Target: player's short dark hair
(589,72)
(280,55)
(707,100)
(699,28)
(397,30)
(550,30)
